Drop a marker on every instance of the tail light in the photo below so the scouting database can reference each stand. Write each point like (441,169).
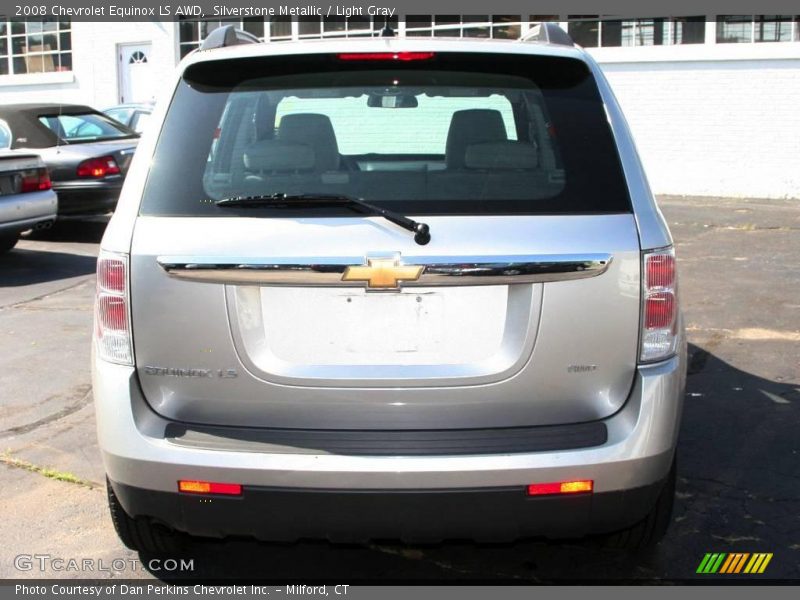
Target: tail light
(112,309)
(391,56)
(98,167)
(35,180)
(659,305)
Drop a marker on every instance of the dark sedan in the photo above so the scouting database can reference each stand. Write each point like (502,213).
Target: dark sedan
(86,152)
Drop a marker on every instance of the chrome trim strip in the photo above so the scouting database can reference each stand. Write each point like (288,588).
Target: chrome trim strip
(439,270)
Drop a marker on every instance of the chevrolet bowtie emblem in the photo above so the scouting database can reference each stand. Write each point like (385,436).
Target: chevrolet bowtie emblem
(383,273)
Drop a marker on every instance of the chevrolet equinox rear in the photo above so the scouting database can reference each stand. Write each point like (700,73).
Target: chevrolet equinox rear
(388,288)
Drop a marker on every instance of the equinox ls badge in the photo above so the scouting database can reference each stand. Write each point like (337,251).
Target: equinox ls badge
(383,273)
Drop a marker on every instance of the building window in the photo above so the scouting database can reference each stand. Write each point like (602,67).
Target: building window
(474,26)
(590,32)
(688,30)
(418,25)
(732,29)
(470,26)
(762,28)
(447,26)
(278,29)
(773,28)
(584,30)
(35,46)
(737,29)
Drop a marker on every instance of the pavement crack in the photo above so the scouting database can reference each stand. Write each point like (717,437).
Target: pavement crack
(82,281)
(64,412)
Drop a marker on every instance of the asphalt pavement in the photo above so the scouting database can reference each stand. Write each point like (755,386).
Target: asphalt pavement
(738,458)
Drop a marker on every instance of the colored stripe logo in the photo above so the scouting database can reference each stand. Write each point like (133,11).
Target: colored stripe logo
(734,563)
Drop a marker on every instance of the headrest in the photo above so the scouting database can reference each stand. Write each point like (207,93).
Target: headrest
(316,131)
(277,155)
(472,126)
(499,156)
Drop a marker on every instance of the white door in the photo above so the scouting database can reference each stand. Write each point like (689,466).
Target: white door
(135,74)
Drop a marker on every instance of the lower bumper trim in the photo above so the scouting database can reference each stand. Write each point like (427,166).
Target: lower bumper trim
(418,516)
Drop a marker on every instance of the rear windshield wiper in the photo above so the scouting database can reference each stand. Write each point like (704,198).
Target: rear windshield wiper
(421,231)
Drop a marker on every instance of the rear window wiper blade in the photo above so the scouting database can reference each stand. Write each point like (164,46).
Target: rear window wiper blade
(420,230)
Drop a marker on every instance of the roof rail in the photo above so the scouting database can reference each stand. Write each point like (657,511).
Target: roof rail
(228,35)
(548,33)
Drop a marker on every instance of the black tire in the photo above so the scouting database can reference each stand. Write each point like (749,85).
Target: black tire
(140,534)
(650,530)
(8,241)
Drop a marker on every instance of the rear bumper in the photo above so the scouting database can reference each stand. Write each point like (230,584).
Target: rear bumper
(23,211)
(87,198)
(627,471)
(414,516)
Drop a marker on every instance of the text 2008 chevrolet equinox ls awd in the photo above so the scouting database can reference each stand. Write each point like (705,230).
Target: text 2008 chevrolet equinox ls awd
(388,288)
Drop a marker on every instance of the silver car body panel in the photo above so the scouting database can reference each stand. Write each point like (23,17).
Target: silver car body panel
(512,336)
(639,450)
(21,211)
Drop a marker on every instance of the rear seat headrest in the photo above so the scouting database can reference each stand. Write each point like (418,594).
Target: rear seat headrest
(508,155)
(472,126)
(277,155)
(315,130)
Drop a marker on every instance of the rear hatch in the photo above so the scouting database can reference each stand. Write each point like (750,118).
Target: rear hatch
(522,310)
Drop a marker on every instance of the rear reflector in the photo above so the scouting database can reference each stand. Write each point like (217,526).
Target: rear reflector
(399,56)
(659,306)
(562,487)
(112,309)
(209,487)
(111,275)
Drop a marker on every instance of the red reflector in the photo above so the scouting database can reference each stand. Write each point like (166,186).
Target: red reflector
(209,487)
(111,275)
(98,167)
(401,56)
(113,312)
(660,270)
(659,310)
(562,487)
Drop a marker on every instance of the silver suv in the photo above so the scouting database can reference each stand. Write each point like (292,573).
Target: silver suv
(388,288)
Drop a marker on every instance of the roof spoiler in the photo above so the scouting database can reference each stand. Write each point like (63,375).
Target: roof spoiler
(222,37)
(548,33)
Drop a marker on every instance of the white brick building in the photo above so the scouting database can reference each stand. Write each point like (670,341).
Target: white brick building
(712,101)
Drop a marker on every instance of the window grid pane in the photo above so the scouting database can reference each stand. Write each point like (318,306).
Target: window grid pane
(35,46)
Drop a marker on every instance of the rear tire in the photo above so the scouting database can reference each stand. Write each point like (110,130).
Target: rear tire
(8,241)
(141,534)
(650,530)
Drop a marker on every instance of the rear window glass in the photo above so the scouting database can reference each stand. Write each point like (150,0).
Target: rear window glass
(89,127)
(454,134)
